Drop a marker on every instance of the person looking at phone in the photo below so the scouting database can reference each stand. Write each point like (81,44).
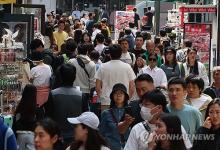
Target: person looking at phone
(116,121)
(210,128)
(153,104)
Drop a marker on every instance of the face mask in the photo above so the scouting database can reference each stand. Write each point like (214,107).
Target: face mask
(145,113)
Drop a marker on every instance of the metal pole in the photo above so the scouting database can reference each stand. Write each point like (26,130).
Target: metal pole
(218,31)
(157,16)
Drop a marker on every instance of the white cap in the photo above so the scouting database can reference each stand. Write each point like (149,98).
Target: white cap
(86,118)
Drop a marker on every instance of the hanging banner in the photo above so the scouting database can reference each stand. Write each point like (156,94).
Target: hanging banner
(122,21)
(7,1)
(200,35)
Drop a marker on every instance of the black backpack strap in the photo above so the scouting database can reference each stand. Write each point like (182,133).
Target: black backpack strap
(132,57)
(146,126)
(81,63)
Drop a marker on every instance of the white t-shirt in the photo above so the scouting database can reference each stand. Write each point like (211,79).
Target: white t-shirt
(138,138)
(199,102)
(158,75)
(111,73)
(41,75)
(126,58)
(100,48)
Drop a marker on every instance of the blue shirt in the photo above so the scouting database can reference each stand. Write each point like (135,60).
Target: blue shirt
(190,117)
(8,143)
(108,128)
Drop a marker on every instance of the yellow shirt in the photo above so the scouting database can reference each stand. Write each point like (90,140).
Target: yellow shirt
(60,37)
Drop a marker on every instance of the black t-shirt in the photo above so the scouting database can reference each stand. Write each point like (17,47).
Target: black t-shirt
(138,53)
(150,18)
(136,18)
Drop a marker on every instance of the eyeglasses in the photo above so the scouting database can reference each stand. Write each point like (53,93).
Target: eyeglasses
(152,59)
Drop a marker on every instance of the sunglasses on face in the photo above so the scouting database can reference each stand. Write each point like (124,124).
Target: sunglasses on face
(152,59)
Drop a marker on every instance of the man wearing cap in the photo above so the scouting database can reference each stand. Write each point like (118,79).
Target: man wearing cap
(112,72)
(105,26)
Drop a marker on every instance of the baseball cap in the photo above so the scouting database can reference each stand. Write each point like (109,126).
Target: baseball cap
(86,118)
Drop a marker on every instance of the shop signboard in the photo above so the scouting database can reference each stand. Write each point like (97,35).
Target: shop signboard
(7,1)
(122,21)
(130,7)
(200,35)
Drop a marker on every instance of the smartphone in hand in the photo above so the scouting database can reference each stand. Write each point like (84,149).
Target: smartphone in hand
(128,110)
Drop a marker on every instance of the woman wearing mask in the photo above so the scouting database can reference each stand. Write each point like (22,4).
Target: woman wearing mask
(168,126)
(194,67)
(115,121)
(86,133)
(210,128)
(195,97)
(171,67)
(47,135)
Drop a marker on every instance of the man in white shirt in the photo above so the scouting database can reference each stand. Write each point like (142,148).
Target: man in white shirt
(159,76)
(126,56)
(112,72)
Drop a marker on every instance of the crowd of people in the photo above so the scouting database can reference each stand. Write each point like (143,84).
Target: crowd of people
(90,92)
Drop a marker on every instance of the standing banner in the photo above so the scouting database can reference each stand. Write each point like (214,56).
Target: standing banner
(200,35)
(122,21)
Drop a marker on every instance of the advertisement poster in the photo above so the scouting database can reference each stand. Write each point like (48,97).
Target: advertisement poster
(200,35)
(122,21)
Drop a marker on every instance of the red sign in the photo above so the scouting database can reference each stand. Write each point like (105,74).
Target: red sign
(129,7)
(185,9)
(200,35)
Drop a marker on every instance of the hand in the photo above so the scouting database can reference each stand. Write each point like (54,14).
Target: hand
(128,119)
(151,141)
(207,124)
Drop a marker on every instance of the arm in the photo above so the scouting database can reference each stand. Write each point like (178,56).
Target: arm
(103,123)
(163,80)
(98,87)
(124,125)
(131,88)
(11,140)
(92,76)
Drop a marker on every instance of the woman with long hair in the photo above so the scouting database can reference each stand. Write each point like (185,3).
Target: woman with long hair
(210,130)
(139,64)
(116,121)
(193,66)
(168,135)
(86,38)
(25,117)
(86,133)
(47,135)
(171,67)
